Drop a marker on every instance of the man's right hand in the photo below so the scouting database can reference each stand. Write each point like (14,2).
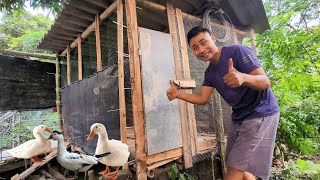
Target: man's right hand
(172,92)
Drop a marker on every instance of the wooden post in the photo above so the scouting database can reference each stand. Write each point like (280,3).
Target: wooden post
(58,97)
(219,129)
(98,47)
(186,68)
(187,155)
(68,66)
(234,35)
(122,97)
(79,58)
(253,41)
(136,89)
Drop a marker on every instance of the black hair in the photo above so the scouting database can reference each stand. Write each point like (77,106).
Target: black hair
(195,31)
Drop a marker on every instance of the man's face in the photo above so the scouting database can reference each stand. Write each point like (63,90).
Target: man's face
(203,46)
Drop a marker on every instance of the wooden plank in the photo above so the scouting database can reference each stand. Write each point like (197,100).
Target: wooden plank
(122,95)
(91,28)
(68,66)
(187,155)
(136,89)
(160,163)
(165,155)
(79,58)
(186,70)
(35,166)
(98,47)
(11,165)
(185,84)
(207,144)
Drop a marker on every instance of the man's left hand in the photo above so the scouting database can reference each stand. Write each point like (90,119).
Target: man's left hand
(233,78)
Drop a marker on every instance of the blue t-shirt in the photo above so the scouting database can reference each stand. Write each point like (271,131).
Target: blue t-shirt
(246,103)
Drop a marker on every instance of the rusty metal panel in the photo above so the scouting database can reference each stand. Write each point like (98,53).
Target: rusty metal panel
(162,117)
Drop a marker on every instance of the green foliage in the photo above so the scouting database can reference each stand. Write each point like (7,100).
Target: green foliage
(22,31)
(291,57)
(301,169)
(175,174)
(11,6)
(29,119)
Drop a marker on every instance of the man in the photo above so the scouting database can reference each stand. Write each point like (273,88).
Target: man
(237,75)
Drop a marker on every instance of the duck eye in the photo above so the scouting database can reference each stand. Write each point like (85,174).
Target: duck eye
(96,127)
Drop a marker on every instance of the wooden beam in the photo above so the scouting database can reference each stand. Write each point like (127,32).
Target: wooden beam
(207,144)
(160,163)
(186,71)
(185,84)
(165,155)
(58,96)
(136,89)
(68,66)
(91,28)
(187,150)
(98,47)
(26,54)
(122,95)
(79,58)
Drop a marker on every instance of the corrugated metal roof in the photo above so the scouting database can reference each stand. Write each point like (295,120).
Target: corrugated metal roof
(79,14)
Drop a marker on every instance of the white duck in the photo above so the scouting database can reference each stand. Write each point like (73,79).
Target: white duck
(119,152)
(72,161)
(33,148)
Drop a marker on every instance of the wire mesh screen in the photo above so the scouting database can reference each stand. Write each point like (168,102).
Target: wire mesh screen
(89,55)
(224,35)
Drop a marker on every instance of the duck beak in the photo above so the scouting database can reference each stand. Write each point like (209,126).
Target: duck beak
(90,136)
(48,130)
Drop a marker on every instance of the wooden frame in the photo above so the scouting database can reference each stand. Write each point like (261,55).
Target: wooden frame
(91,28)
(136,89)
(98,47)
(186,68)
(187,150)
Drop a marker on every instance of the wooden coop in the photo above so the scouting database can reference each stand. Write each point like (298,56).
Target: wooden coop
(114,63)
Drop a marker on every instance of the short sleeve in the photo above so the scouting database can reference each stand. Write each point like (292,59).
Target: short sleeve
(206,79)
(246,60)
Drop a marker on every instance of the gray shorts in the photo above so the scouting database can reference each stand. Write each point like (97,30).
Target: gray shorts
(251,143)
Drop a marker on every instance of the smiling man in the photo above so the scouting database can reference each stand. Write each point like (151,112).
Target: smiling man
(236,73)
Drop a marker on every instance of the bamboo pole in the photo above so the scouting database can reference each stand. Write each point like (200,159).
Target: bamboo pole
(79,58)
(98,47)
(136,89)
(122,97)
(187,153)
(58,97)
(68,66)
(220,129)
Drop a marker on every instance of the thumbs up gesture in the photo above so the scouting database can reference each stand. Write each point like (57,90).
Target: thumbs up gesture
(233,78)
(172,92)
